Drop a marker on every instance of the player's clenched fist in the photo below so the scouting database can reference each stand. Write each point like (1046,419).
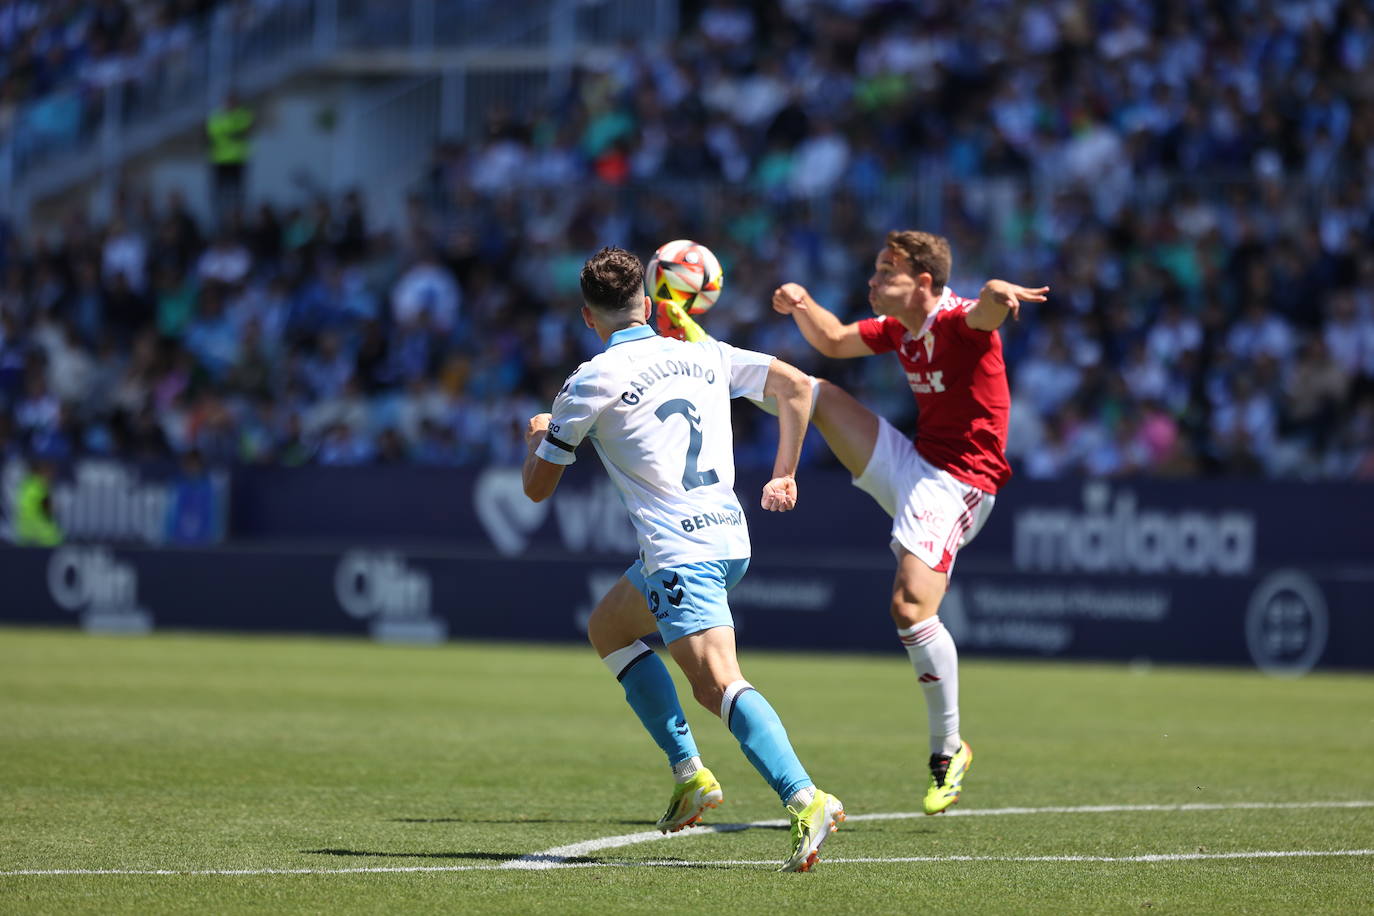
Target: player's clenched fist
(538,423)
(790,297)
(780,494)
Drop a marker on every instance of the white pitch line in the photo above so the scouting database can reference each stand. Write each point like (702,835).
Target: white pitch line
(245,871)
(1156,857)
(558,856)
(1109,809)
(680,863)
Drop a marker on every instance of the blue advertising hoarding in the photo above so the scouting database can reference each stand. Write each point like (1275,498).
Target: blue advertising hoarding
(99,499)
(1267,574)
(1288,620)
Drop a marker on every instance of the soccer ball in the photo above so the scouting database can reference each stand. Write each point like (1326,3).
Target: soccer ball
(684,272)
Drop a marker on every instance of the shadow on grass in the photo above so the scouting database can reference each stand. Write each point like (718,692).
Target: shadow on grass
(902,829)
(509,856)
(481,856)
(514,820)
(688,866)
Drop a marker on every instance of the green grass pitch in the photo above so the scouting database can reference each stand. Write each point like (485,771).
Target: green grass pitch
(343,776)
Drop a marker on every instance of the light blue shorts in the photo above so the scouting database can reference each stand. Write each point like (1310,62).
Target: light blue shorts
(689,598)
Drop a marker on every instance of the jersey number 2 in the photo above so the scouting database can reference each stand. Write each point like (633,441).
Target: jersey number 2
(691,476)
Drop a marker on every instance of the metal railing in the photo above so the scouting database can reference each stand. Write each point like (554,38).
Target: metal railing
(87,130)
(389,137)
(456,24)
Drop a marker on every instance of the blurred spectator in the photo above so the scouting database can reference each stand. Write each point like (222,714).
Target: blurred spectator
(1052,458)
(1349,336)
(71,366)
(1158,434)
(1048,381)
(212,337)
(1260,332)
(34,523)
(38,410)
(226,261)
(329,369)
(228,128)
(728,23)
(1314,392)
(126,254)
(1245,424)
(819,161)
(175,293)
(426,293)
(341,446)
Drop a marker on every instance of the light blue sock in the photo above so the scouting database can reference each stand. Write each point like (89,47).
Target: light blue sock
(752,720)
(651,694)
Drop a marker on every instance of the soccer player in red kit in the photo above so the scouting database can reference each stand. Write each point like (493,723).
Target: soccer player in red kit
(939,488)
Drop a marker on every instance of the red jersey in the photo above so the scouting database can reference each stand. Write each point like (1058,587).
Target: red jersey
(960,383)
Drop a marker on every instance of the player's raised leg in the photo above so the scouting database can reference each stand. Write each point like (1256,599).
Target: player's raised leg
(615,630)
(916,594)
(708,659)
(676,316)
(849,428)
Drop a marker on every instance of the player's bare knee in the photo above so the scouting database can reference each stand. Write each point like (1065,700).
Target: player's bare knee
(606,631)
(598,634)
(910,607)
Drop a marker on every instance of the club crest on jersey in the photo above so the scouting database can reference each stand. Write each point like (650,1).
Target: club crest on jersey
(911,344)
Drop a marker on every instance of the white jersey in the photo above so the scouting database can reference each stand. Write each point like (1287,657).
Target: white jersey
(657,411)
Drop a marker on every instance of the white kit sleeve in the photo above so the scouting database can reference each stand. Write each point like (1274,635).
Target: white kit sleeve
(748,370)
(574,413)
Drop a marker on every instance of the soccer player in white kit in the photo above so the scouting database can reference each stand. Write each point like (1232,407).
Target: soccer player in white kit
(657,411)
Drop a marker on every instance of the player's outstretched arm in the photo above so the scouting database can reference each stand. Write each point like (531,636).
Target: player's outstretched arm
(539,476)
(820,327)
(792,390)
(999,297)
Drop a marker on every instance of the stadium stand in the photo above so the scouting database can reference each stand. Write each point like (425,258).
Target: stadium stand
(1195,182)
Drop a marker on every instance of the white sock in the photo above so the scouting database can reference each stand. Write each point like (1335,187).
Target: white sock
(684,770)
(802,797)
(932,653)
(727,699)
(620,661)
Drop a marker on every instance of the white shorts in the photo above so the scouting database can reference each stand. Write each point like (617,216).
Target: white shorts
(933,514)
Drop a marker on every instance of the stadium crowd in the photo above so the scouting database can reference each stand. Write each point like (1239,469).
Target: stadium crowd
(57,58)
(1195,181)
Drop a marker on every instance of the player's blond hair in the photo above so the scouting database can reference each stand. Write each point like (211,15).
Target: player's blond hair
(926,252)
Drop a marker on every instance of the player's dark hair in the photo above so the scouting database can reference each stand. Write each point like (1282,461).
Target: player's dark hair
(613,281)
(927,252)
